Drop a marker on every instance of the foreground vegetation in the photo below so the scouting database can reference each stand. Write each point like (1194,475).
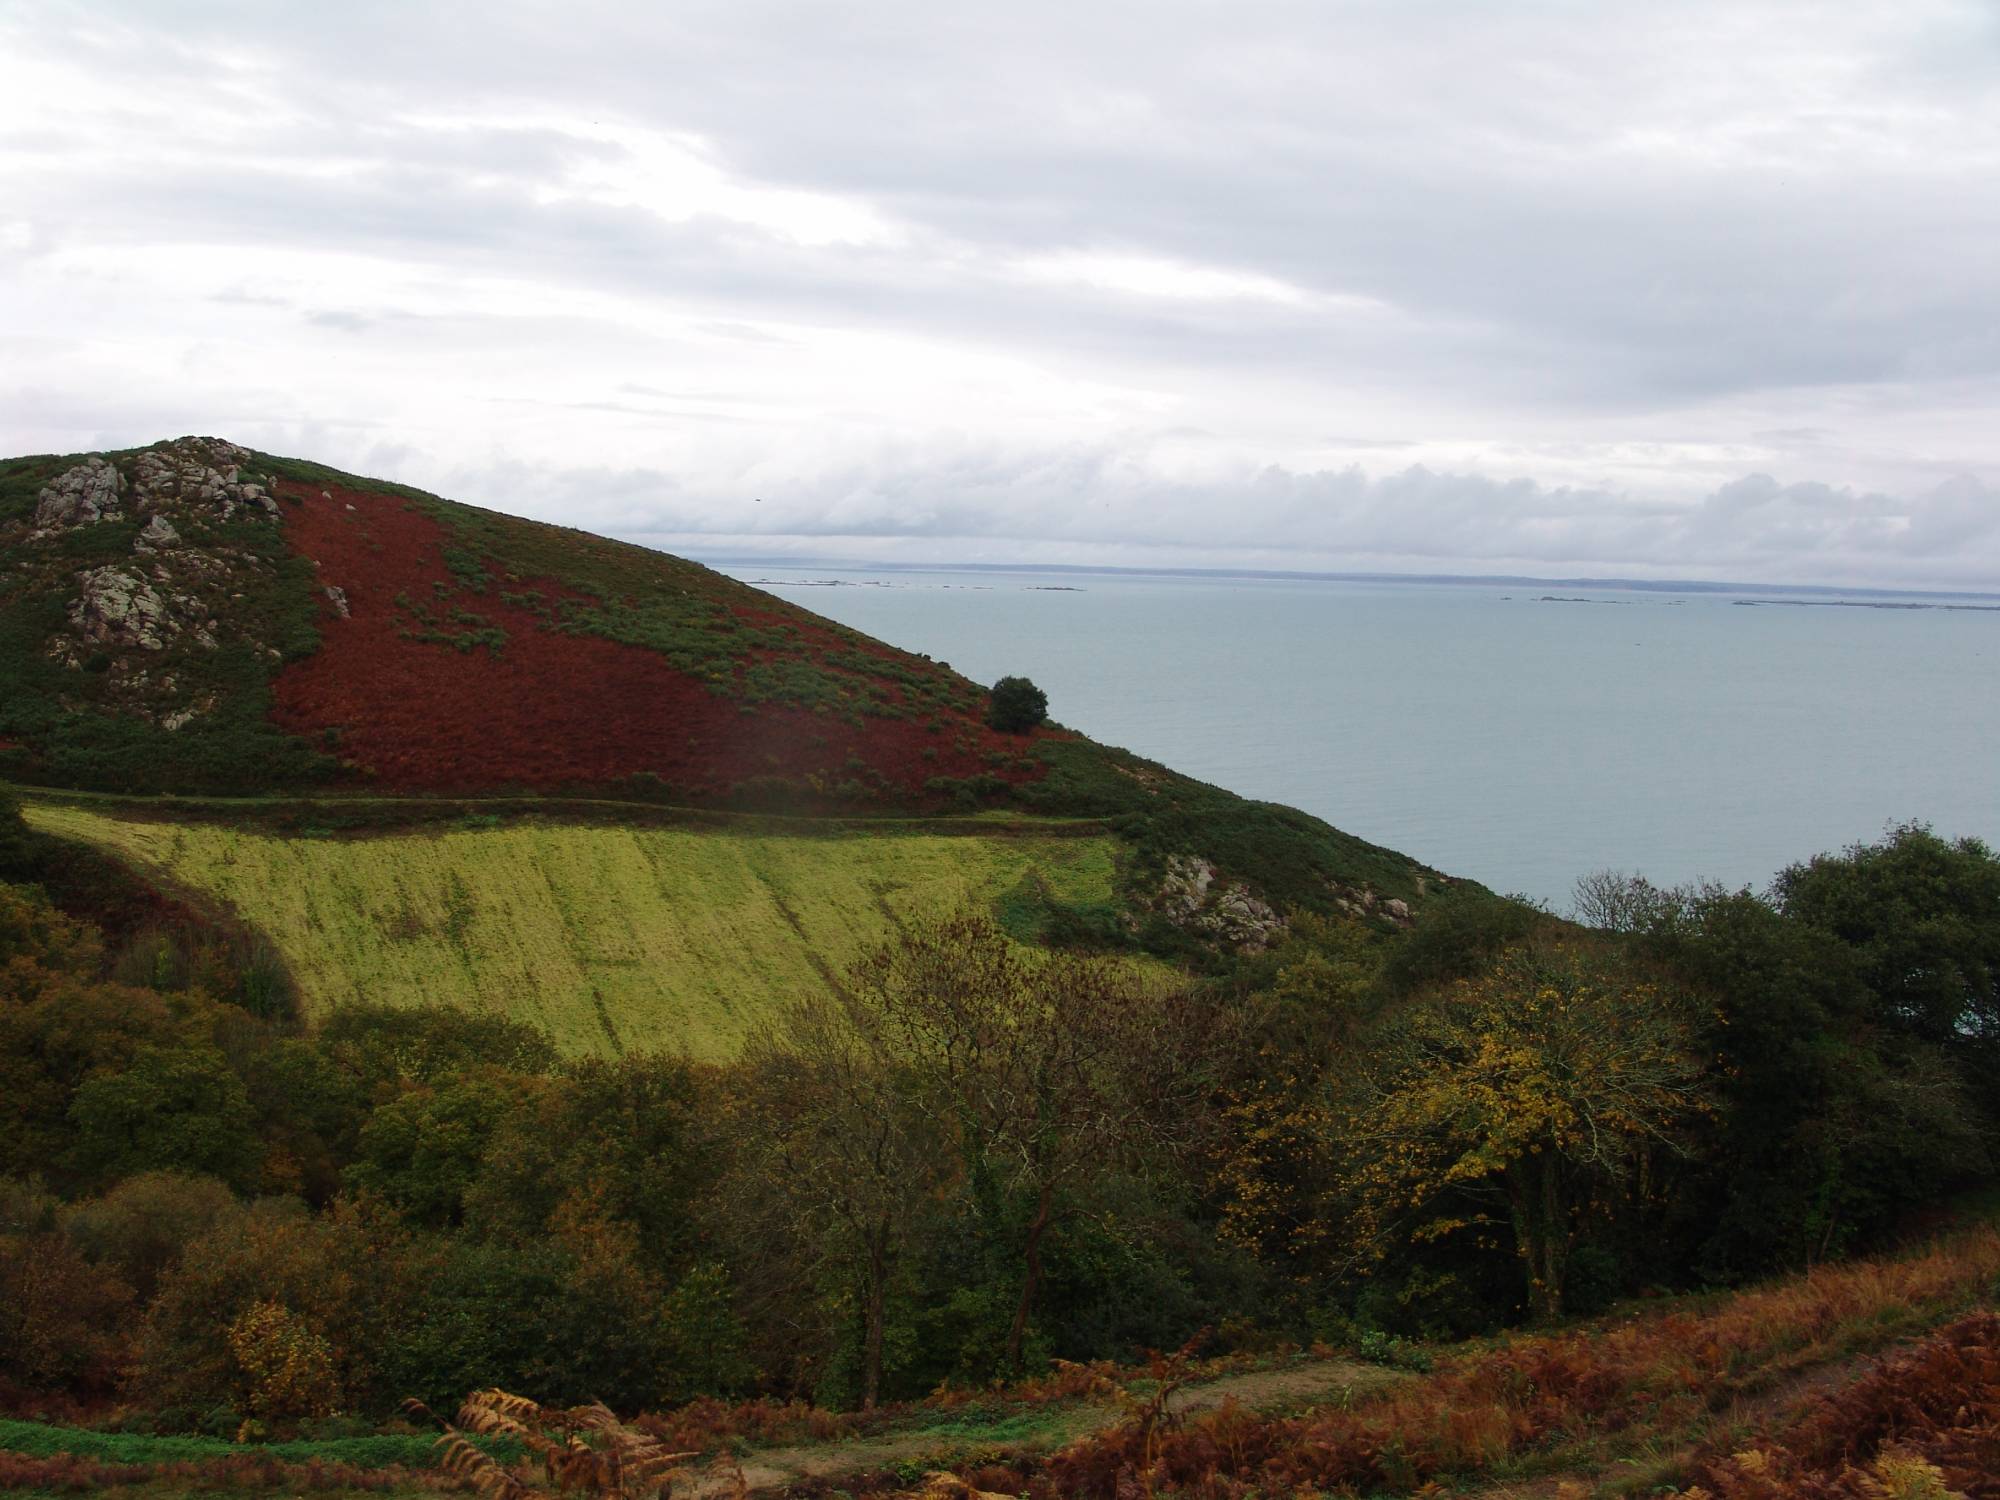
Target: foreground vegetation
(609,939)
(954,1158)
(1756,1394)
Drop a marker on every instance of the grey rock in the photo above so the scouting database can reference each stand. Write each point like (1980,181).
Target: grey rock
(337,597)
(1232,914)
(117,609)
(156,535)
(81,496)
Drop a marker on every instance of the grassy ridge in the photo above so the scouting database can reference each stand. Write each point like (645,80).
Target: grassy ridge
(613,938)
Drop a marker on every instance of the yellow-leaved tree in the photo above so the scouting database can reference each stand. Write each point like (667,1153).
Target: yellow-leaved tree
(1517,1096)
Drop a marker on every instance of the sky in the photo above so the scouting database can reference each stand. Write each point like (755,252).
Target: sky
(1699,290)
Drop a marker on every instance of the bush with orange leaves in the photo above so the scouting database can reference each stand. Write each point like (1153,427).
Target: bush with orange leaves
(1655,1374)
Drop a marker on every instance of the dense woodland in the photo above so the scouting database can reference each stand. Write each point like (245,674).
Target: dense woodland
(966,1159)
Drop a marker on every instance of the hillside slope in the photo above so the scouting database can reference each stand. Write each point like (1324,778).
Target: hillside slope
(611,939)
(195,617)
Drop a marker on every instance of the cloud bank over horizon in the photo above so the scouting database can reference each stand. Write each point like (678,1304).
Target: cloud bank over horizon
(1431,287)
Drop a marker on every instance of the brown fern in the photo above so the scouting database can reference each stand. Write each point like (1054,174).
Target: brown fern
(583,1449)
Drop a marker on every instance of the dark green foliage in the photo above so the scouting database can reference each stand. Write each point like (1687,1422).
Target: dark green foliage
(1016,706)
(178,1109)
(1832,1127)
(382,1046)
(1922,918)
(421,1152)
(483,1320)
(1463,929)
(16,841)
(140,1227)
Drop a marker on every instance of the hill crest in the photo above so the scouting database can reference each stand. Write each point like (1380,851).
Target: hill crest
(403,642)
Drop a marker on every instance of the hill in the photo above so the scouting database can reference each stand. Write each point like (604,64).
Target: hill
(198,618)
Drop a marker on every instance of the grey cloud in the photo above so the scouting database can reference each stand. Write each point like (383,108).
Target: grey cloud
(1764,233)
(1754,528)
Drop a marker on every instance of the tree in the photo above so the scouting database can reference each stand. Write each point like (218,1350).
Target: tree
(176,1109)
(1922,916)
(849,1147)
(1039,1067)
(15,839)
(140,1228)
(423,1151)
(1529,1086)
(1829,1124)
(1017,706)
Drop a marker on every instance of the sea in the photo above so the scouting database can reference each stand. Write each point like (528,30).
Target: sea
(1520,733)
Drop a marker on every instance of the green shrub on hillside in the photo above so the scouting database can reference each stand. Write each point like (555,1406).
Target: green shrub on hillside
(1016,706)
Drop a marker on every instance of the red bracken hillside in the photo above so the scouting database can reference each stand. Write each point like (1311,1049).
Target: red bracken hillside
(425,684)
(198,617)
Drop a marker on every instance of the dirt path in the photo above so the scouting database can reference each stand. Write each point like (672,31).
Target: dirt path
(1043,1430)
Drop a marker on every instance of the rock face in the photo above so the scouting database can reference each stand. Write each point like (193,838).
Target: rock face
(82,496)
(158,534)
(117,609)
(1230,913)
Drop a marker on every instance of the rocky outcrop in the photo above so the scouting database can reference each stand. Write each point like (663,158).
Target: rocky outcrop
(1359,901)
(1229,912)
(81,496)
(128,625)
(118,609)
(204,474)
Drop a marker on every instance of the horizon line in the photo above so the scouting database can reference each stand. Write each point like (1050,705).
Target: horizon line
(1639,585)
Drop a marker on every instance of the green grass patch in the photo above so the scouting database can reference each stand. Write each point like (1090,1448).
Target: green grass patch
(404,1450)
(612,938)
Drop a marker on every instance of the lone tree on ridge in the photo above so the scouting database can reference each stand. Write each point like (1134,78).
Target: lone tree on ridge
(1017,706)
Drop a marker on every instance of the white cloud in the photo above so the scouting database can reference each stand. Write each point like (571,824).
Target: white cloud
(1446,284)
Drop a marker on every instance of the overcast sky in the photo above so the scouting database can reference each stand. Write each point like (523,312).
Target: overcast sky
(1689,289)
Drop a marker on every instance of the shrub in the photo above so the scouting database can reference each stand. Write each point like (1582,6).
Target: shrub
(174,1109)
(289,1369)
(142,1225)
(1017,706)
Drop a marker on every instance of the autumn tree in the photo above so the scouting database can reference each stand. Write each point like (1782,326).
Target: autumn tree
(850,1152)
(1040,1067)
(1554,1073)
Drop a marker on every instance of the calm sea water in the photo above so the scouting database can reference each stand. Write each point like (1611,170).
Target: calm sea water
(1484,730)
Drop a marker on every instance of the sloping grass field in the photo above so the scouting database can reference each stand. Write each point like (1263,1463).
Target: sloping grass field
(614,939)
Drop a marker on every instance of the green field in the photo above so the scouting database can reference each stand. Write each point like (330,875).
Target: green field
(614,939)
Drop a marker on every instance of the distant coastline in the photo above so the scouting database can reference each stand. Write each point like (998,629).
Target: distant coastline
(1805,592)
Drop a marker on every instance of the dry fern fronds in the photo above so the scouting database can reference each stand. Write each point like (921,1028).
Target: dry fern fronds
(581,1448)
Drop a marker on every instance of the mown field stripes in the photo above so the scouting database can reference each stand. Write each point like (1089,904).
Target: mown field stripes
(614,939)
